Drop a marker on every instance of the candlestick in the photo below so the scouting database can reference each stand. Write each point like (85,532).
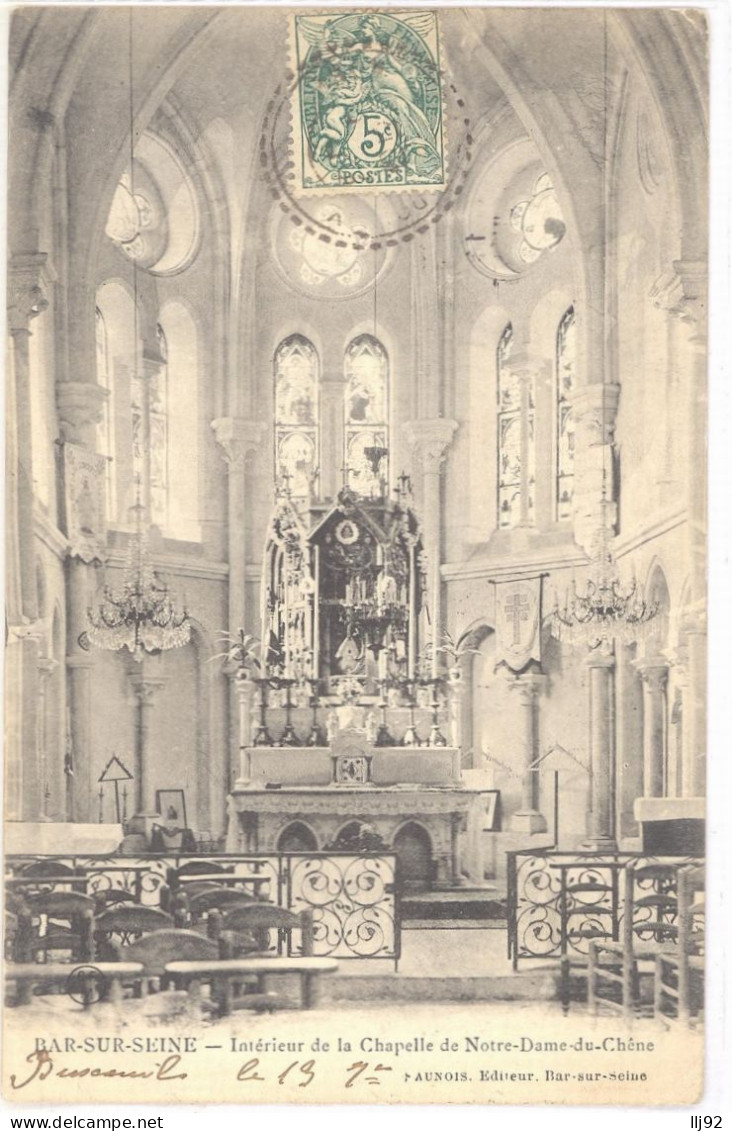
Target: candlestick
(262,737)
(289,737)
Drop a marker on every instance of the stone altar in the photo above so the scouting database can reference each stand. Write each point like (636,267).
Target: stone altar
(398,791)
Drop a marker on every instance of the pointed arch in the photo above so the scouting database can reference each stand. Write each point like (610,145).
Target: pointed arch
(297,415)
(366,415)
(297,836)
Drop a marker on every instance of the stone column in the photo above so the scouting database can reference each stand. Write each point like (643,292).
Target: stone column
(601,818)
(528,819)
(429,440)
(693,312)
(24,788)
(694,636)
(144,687)
(26,300)
(46,668)
(594,408)
(683,292)
(244,688)
(80,405)
(456,698)
(654,674)
(237,439)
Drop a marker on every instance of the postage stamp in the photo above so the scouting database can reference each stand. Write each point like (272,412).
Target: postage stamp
(367,109)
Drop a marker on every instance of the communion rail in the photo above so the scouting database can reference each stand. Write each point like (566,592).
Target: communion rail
(354,897)
(556,902)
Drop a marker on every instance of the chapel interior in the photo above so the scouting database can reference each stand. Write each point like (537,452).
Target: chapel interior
(420,526)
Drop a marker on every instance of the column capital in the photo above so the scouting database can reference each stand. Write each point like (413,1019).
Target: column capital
(599,658)
(653,671)
(596,406)
(27,274)
(683,291)
(145,686)
(694,621)
(429,440)
(76,661)
(80,406)
(237,438)
(528,686)
(28,630)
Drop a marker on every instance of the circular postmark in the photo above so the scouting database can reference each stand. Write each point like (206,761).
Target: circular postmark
(368,140)
(86,985)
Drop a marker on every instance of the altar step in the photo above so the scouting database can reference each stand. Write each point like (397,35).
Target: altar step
(461,908)
(527,985)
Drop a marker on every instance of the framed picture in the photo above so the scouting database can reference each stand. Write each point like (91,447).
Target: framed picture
(171,805)
(491,815)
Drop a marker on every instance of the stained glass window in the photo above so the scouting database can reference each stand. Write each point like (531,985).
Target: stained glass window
(106,439)
(296,380)
(516,439)
(158,401)
(366,416)
(566,372)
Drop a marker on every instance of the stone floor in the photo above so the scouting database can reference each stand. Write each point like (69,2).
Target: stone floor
(443,950)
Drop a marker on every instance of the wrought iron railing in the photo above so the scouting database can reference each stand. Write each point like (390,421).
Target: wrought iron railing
(558,901)
(353,897)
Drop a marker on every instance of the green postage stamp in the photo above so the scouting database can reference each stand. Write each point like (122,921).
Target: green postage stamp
(368,101)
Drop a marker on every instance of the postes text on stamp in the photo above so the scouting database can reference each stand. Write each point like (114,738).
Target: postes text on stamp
(367,109)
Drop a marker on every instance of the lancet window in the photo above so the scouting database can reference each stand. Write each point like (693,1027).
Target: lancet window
(516,439)
(158,402)
(106,437)
(296,379)
(366,416)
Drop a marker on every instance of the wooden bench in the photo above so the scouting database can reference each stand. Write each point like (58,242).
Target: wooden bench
(27,976)
(223,975)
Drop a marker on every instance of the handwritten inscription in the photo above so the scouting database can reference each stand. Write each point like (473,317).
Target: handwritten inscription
(44,1067)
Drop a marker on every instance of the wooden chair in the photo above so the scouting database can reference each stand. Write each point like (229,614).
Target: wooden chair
(10,933)
(193,868)
(46,875)
(202,868)
(261,919)
(53,868)
(200,903)
(649,926)
(111,897)
(155,950)
(678,988)
(61,924)
(124,923)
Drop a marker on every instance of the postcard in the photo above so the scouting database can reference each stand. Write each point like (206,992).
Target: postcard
(356,708)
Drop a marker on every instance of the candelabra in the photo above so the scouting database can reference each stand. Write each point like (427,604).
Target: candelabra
(607,610)
(142,616)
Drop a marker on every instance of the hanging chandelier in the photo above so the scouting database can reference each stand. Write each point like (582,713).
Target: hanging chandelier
(608,610)
(142,616)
